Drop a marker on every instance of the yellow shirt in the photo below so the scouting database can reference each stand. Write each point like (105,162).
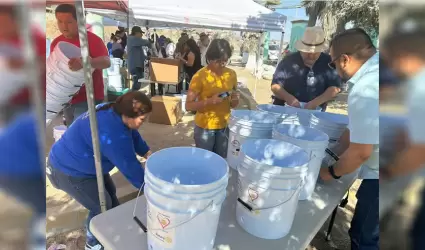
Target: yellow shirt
(206,84)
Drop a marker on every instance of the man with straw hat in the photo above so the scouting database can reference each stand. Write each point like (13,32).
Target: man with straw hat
(304,76)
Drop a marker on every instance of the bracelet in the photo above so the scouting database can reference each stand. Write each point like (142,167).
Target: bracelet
(332,172)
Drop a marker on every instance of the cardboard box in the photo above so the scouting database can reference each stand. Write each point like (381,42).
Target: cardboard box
(166,110)
(165,70)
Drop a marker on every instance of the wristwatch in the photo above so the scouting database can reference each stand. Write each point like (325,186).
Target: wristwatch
(332,172)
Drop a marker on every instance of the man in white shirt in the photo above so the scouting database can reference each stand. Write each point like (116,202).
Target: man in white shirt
(357,62)
(405,53)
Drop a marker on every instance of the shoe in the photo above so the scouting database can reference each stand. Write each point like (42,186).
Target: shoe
(95,247)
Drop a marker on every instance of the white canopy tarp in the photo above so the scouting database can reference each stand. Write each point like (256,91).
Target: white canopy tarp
(244,15)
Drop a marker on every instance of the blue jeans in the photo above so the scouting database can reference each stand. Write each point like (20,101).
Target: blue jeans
(137,73)
(214,140)
(85,191)
(364,231)
(418,229)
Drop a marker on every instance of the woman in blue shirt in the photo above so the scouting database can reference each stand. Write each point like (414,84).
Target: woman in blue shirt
(71,166)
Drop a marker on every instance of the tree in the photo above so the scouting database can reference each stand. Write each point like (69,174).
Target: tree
(334,15)
(314,10)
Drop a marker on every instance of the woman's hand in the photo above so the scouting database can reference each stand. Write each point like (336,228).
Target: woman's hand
(215,99)
(235,96)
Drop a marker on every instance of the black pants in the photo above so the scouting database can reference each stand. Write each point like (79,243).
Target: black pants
(137,73)
(418,229)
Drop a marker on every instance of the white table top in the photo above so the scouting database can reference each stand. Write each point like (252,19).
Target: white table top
(117,230)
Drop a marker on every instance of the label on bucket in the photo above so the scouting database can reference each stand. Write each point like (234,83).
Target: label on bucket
(159,226)
(235,145)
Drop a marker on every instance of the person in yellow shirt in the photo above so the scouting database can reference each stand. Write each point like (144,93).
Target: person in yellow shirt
(212,93)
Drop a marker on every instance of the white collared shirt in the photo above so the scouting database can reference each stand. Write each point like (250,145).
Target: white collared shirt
(363,113)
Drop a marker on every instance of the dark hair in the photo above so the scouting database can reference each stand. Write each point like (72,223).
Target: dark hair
(218,49)
(405,43)
(114,38)
(67,8)
(355,42)
(124,105)
(193,47)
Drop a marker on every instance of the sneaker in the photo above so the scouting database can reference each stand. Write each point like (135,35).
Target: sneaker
(95,247)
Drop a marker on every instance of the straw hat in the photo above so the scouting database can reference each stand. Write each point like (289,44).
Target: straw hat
(313,40)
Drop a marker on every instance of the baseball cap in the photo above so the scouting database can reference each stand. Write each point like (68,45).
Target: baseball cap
(136,29)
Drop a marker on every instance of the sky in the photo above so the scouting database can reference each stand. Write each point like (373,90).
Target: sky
(291,14)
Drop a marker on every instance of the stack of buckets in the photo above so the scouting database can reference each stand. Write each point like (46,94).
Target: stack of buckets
(331,124)
(270,178)
(61,82)
(115,81)
(184,197)
(247,124)
(314,142)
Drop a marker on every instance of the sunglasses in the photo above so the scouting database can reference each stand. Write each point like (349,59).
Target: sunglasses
(332,63)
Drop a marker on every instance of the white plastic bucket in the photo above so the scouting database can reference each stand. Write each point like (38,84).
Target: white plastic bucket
(115,83)
(266,209)
(314,142)
(183,196)
(282,113)
(183,98)
(58,131)
(116,64)
(331,124)
(244,125)
(303,114)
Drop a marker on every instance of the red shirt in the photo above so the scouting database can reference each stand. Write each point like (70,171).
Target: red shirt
(96,49)
(39,38)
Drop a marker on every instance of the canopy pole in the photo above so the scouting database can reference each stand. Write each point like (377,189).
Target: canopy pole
(280,48)
(82,33)
(34,75)
(128,33)
(260,54)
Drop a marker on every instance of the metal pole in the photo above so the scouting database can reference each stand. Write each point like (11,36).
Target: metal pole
(280,48)
(82,33)
(128,33)
(33,73)
(260,53)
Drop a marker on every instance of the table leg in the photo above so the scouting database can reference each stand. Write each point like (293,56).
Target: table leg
(332,221)
(331,224)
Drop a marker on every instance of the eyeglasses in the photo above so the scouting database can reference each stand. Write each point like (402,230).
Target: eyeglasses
(222,62)
(332,63)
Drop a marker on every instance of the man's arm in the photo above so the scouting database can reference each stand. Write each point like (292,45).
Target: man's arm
(99,57)
(333,87)
(328,95)
(412,157)
(140,42)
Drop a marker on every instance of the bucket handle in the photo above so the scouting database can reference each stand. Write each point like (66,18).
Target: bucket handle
(145,228)
(251,209)
(332,154)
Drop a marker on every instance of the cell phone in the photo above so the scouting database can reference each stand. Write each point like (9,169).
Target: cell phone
(224,95)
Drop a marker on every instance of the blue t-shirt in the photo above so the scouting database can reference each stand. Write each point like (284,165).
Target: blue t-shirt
(73,153)
(19,149)
(304,83)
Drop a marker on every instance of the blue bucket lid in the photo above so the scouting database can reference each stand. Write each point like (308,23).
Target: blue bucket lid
(301,132)
(251,116)
(331,117)
(275,153)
